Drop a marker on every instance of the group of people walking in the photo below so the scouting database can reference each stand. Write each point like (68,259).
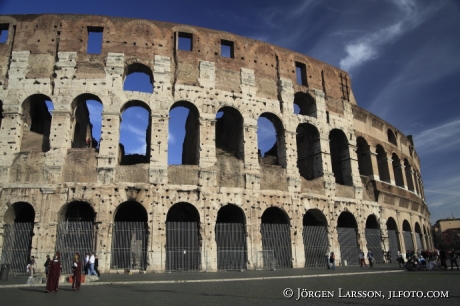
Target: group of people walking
(330,259)
(53,269)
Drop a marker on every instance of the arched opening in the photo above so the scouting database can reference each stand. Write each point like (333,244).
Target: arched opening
(410,182)
(347,231)
(139,77)
(397,170)
(129,237)
(382,161)
(426,238)
(135,133)
(87,111)
(418,237)
(276,239)
(75,232)
(304,104)
(407,235)
(183,238)
(231,238)
(36,111)
(340,157)
(315,239)
(184,134)
(309,161)
(393,238)
(391,137)
(17,236)
(229,132)
(374,237)
(271,140)
(364,157)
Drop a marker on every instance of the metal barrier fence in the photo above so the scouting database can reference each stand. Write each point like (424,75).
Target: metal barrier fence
(277,238)
(394,244)
(315,245)
(349,250)
(74,237)
(418,239)
(374,243)
(408,241)
(183,250)
(129,245)
(264,260)
(231,246)
(16,246)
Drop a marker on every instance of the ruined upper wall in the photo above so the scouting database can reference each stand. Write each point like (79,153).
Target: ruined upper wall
(140,40)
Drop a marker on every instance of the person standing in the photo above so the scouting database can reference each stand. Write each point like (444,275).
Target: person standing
(370,257)
(86,266)
(76,272)
(52,284)
(332,260)
(47,265)
(443,257)
(453,260)
(31,266)
(328,255)
(96,265)
(361,259)
(91,265)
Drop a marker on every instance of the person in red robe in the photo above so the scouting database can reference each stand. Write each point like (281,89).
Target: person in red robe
(54,273)
(76,269)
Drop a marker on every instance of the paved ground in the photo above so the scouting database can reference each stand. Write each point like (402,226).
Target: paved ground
(249,288)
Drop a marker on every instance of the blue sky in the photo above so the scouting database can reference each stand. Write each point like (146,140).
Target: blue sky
(403,57)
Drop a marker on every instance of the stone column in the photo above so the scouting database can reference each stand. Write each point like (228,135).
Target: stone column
(403,175)
(10,140)
(391,173)
(254,238)
(292,172)
(251,158)
(208,235)
(375,164)
(158,169)
(298,250)
(109,152)
(402,244)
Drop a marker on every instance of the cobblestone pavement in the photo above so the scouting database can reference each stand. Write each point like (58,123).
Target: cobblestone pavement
(383,285)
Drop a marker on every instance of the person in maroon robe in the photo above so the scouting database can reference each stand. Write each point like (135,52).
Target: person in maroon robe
(54,273)
(76,269)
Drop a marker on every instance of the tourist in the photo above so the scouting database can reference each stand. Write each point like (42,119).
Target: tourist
(370,257)
(76,272)
(47,265)
(91,265)
(96,266)
(328,255)
(443,257)
(361,259)
(54,274)
(332,260)
(31,266)
(453,260)
(86,266)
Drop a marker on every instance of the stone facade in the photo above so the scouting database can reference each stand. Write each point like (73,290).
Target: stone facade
(331,158)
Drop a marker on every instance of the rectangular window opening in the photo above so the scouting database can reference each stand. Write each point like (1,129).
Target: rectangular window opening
(301,73)
(185,41)
(226,48)
(94,40)
(3,33)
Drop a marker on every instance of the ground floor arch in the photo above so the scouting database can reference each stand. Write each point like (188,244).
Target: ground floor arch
(374,238)
(276,239)
(418,237)
(75,232)
(315,240)
(231,238)
(17,236)
(183,239)
(407,236)
(393,238)
(348,240)
(129,237)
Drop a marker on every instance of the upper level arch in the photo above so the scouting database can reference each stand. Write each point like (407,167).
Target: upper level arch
(309,160)
(364,157)
(397,170)
(382,160)
(271,140)
(340,157)
(138,77)
(304,104)
(87,110)
(36,111)
(230,132)
(391,137)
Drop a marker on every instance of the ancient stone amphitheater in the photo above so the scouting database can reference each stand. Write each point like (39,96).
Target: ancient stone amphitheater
(337,179)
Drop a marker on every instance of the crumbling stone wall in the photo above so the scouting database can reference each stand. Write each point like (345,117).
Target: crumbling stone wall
(46,55)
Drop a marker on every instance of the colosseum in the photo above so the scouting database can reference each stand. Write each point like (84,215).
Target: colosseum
(337,177)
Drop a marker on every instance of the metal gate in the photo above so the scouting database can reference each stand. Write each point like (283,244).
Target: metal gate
(394,244)
(315,245)
(231,246)
(182,246)
(374,243)
(74,237)
(408,241)
(129,245)
(349,250)
(419,242)
(277,237)
(17,243)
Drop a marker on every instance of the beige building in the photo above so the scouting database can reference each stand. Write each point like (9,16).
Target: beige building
(442,230)
(337,179)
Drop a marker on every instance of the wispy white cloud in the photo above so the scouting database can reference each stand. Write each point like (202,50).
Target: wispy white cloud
(368,47)
(171,138)
(440,138)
